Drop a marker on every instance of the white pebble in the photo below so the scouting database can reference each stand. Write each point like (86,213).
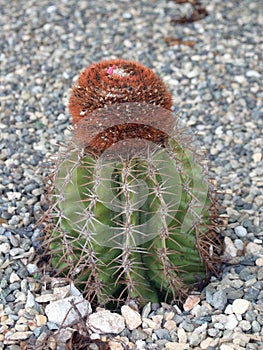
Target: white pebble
(231,322)
(106,322)
(240,231)
(32,268)
(253,74)
(240,306)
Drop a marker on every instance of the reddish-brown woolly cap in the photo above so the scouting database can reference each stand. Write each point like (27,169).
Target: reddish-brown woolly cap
(116,81)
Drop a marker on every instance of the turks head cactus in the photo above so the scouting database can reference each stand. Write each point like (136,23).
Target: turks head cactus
(132,215)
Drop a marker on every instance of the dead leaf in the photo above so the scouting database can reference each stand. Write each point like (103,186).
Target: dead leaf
(83,342)
(3,221)
(173,42)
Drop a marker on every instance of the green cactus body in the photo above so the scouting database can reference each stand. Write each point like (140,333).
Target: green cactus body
(129,226)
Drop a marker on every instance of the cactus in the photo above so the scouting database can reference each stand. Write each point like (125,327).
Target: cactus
(133,216)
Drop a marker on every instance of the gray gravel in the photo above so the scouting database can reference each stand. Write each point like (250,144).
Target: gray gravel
(217,85)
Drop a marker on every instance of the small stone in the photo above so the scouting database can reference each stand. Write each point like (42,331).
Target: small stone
(239,244)
(148,323)
(146,310)
(139,334)
(228,310)
(195,339)
(182,337)
(106,322)
(240,231)
(163,334)
(41,320)
(244,325)
(255,326)
(140,345)
(240,306)
(63,312)
(230,249)
(212,332)
(21,320)
(32,268)
(169,315)
(17,251)
(14,278)
(176,346)
(190,302)
(4,248)
(231,322)
(253,74)
(62,292)
(187,326)
(63,335)
(219,300)
(240,339)
(227,346)
(192,74)
(157,321)
(45,298)
(148,331)
(253,249)
(21,327)
(205,343)
(30,300)
(170,325)
(257,157)
(20,335)
(240,79)
(132,317)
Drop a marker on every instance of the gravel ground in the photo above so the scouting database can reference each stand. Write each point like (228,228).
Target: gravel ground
(214,75)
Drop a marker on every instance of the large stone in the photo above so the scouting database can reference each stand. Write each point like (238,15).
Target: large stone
(105,321)
(64,311)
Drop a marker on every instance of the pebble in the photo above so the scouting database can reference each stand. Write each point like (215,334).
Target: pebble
(253,249)
(190,302)
(240,306)
(19,335)
(230,249)
(219,300)
(259,262)
(132,317)
(182,335)
(240,231)
(253,74)
(231,322)
(106,322)
(176,346)
(32,268)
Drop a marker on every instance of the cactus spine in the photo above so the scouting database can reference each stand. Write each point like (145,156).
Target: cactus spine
(132,214)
